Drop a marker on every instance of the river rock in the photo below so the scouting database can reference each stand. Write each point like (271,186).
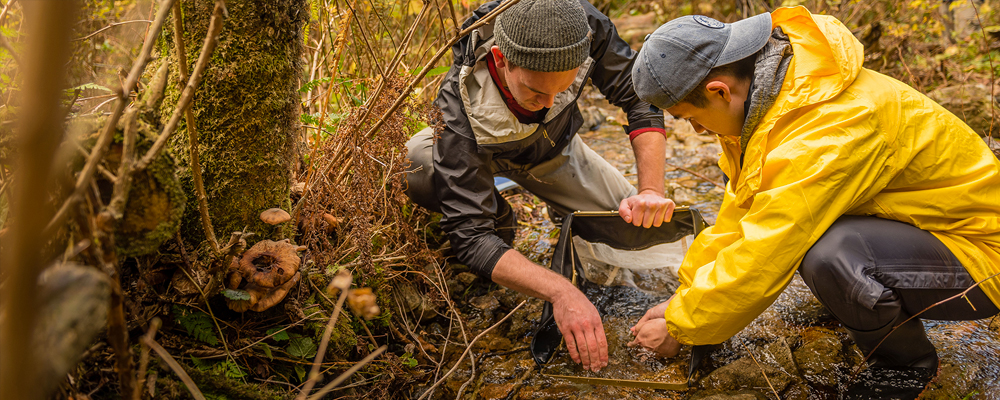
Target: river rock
(820,356)
(774,360)
(486,303)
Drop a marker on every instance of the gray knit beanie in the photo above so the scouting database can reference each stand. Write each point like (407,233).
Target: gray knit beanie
(544,35)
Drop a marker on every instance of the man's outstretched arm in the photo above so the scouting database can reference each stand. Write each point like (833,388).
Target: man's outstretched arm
(576,316)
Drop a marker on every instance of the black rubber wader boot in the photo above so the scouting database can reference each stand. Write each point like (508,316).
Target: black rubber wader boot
(900,367)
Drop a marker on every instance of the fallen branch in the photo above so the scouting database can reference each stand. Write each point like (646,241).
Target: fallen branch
(104,141)
(469,348)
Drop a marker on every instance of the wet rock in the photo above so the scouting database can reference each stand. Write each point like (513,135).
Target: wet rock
(416,303)
(455,288)
(820,356)
(486,303)
(683,196)
(466,278)
(525,321)
(796,391)
(774,360)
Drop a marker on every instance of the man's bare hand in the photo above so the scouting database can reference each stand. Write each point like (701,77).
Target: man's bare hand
(646,209)
(581,326)
(653,335)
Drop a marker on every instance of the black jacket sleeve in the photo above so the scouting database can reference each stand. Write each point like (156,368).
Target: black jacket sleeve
(612,75)
(464,182)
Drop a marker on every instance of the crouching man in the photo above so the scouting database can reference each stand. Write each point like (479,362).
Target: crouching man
(885,202)
(509,109)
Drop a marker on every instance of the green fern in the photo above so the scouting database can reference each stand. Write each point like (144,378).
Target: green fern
(230,369)
(197,324)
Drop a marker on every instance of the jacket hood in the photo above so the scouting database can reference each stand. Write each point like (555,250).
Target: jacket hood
(827,57)
(826,60)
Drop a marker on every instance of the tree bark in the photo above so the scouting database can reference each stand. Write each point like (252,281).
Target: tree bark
(246,113)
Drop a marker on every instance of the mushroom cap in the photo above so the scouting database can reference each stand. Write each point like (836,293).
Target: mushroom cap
(275,295)
(274,216)
(270,264)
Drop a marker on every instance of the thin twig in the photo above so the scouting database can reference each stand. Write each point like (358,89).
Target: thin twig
(101,148)
(314,373)
(347,374)
(761,370)
(144,358)
(211,41)
(364,37)
(469,348)
(962,294)
(199,185)
(695,174)
(370,104)
(176,367)
(427,67)
(113,24)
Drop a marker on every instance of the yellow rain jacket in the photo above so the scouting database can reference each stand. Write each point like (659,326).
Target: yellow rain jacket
(839,140)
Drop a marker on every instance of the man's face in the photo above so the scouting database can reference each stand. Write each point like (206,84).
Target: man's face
(723,115)
(533,90)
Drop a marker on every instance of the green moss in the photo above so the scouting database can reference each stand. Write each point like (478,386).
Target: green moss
(246,110)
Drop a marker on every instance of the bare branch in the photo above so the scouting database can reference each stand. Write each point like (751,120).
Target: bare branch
(100,149)
(187,96)
(427,67)
(40,129)
(199,185)
(347,374)
(114,24)
(314,373)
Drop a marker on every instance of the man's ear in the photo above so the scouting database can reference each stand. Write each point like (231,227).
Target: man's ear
(498,58)
(719,88)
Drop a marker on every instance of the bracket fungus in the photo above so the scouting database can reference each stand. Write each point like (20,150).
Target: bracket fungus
(267,271)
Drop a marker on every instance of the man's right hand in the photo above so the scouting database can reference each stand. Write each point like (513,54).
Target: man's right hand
(576,316)
(581,326)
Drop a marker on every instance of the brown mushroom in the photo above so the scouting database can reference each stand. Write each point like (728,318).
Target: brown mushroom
(270,263)
(332,222)
(362,302)
(266,271)
(275,295)
(274,216)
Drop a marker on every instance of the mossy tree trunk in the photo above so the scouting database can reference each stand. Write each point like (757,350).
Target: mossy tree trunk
(246,112)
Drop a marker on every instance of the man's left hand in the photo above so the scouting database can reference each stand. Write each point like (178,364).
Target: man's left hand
(653,335)
(646,209)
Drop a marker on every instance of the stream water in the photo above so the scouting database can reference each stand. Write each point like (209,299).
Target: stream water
(794,350)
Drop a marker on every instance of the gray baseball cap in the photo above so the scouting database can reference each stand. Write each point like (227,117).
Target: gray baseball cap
(680,53)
